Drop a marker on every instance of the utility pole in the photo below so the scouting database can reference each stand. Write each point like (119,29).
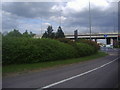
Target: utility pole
(41,26)
(118,39)
(60,17)
(114,15)
(114,20)
(90,19)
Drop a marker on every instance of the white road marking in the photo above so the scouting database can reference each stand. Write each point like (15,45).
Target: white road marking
(50,85)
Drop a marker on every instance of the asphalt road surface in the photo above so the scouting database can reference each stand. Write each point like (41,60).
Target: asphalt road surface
(97,73)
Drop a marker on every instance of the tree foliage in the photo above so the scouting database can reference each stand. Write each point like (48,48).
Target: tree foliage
(45,35)
(14,33)
(60,33)
(25,34)
(49,33)
(32,34)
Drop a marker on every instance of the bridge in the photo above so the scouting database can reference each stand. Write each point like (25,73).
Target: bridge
(110,37)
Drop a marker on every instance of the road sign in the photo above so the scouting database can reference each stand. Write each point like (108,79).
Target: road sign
(105,35)
(76,35)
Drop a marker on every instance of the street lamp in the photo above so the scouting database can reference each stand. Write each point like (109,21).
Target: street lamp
(114,17)
(118,39)
(118,2)
(90,20)
(60,16)
(41,26)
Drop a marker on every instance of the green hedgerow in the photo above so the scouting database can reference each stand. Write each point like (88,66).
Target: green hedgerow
(84,49)
(29,50)
(91,43)
(20,50)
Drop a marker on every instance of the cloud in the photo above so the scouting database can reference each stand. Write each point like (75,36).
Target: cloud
(46,24)
(103,17)
(73,14)
(29,9)
(9,21)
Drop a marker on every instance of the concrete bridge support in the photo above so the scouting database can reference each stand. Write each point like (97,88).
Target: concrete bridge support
(96,40)
(108,40)
(115,42)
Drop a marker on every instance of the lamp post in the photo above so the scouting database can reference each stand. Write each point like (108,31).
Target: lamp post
(41,26)
(90,20)
(118,26)
(60,17)
(114,16)
(118,39)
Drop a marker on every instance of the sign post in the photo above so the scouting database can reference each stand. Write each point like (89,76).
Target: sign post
(105,38)
(106,42)
(76,35)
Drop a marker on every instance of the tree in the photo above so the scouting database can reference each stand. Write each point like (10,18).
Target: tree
(25,34)
(32,34)
(49,29)
(60,33)
(52,35)
(14,33)
(45,35)
(49,33)
(0,34)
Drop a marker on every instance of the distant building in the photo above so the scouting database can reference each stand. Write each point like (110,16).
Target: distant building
(38,36)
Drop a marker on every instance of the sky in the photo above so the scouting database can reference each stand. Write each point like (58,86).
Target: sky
(73,14)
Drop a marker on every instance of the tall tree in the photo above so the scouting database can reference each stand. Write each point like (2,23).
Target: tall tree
(45,35)
(60,33)
(49,33)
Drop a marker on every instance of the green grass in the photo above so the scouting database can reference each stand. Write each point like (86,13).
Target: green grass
(21,68)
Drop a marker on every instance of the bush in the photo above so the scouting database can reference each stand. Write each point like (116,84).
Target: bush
(66,40)
(84,49)
(19,50)
(91,43)
(29,50)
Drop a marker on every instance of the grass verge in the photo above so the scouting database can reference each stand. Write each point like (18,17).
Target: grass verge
(37,66)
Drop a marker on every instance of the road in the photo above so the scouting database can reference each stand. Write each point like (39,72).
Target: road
(97,73)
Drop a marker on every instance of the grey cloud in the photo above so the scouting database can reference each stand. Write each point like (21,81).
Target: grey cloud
(9,21)
(30,9)
(101,20)
(14,12)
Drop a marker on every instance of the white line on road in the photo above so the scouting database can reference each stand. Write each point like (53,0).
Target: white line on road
(48,86)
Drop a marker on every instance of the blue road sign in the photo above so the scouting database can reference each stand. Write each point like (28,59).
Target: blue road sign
(105,35)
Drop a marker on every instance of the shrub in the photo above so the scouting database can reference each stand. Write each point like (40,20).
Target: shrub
(66,40)
(92,43)
(19,50)
(84,49)
(29,50)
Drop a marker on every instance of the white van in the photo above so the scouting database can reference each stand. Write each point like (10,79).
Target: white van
(109,46)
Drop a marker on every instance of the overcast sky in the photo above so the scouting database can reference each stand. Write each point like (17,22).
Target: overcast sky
(36,16)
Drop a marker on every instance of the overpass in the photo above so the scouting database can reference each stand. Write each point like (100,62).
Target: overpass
(108,36)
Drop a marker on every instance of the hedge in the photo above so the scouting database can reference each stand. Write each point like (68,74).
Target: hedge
(31,50)
(84,49)
(90,43)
